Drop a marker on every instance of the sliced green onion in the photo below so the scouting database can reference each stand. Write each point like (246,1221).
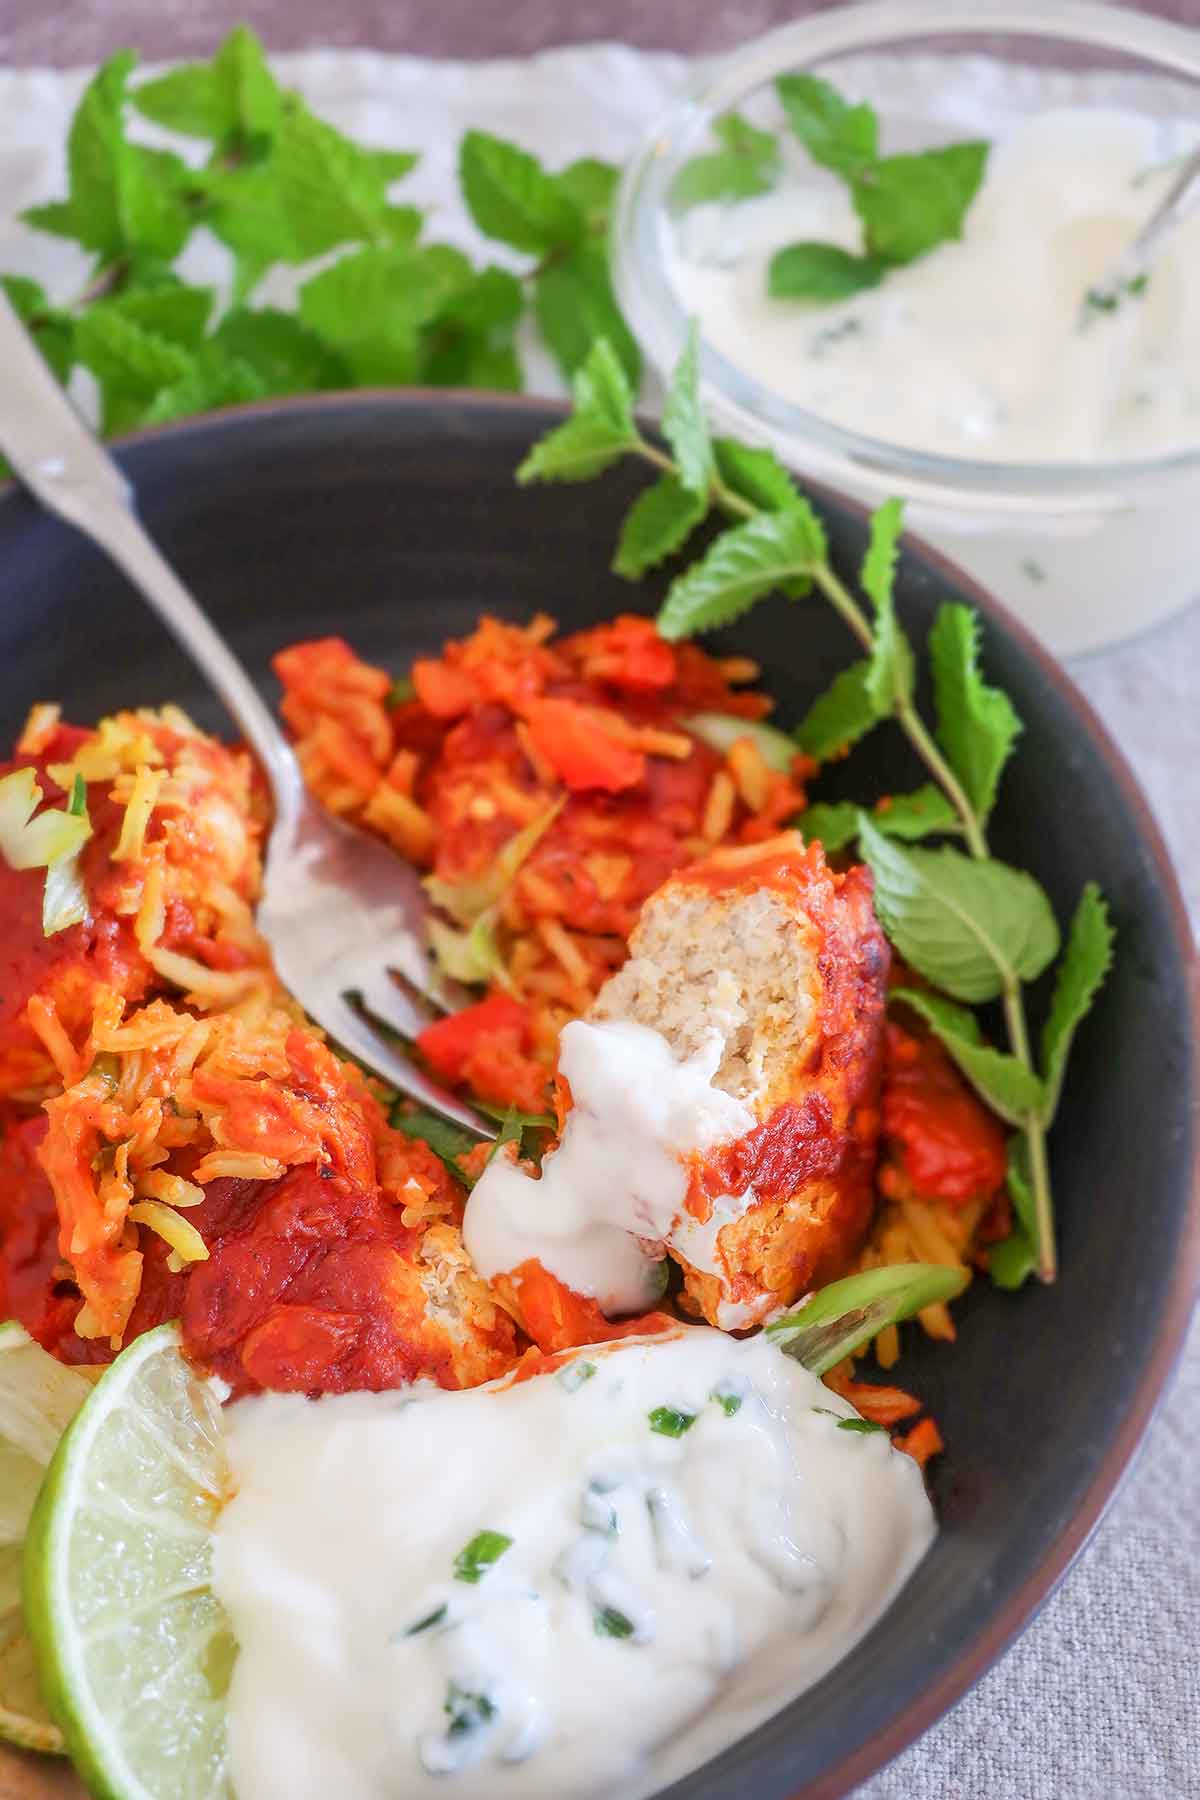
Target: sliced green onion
(720,731)
(485,1549)
(77,804)
(836,1320)
(668,1421)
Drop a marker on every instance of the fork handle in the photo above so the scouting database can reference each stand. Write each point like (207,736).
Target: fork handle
(58,459)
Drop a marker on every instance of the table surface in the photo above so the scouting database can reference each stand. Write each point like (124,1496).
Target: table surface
(1100,1699)
(59,33)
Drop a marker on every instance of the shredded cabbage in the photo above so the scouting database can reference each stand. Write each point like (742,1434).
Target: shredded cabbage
(471,956)
(467,900)
(51,840)
(720,731)
(179,1234)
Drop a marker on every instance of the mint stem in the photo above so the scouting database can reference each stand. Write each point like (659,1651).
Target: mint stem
(922,741)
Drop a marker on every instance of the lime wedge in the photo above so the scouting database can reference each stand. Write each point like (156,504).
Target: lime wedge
(133,1651)
(38,1399)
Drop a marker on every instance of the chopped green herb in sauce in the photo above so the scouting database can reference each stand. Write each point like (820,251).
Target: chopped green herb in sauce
(668,1421)
(484,1549)
(609,1622)
(729,1403)
(465,1710)
(425,1624)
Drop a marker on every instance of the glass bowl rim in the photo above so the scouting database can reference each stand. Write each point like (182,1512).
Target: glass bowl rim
(659,320)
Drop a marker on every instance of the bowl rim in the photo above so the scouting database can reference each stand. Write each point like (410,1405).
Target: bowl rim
(658,314)
(859,1763)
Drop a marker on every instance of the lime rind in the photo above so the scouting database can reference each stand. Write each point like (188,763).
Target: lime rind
(38,1399)
(132,1649)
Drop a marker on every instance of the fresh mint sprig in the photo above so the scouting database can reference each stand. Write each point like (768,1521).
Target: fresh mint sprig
(907,205)
(975,928)
(280,186)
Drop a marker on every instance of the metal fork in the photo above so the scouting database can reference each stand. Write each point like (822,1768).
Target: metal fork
(339,909)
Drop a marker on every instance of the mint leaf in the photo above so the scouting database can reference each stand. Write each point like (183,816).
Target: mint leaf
(922,813)
(371,304)
(910,204)
(215,379)
(1080,976)
(747,164)
(447,1141)
(821,272)
(684,424)
(130,364)
(574,305)
(891,665)
(123,199)
(965,925)
(591,184)
(1010,1089)
(245,210)
(234,99)
(976,724)
(282,352)
(600,430)
(840,716)
(513,198)
(756,475)
(491,300)
(1013,1261)
(839,136)
(52,331)
(741,566)
(659,521)
(172,311)
(332,191)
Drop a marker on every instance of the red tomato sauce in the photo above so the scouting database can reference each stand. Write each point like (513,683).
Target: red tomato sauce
(947,1142)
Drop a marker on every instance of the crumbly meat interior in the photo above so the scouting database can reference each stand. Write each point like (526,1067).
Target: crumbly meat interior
(744,965)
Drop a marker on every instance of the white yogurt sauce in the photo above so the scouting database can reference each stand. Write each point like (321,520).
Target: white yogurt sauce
(613,1191)
(975,350)
(659,1597)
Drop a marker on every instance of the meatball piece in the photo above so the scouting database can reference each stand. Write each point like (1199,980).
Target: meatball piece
(785,958)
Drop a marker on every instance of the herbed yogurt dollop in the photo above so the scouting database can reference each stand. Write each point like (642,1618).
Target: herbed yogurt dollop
(582,1583)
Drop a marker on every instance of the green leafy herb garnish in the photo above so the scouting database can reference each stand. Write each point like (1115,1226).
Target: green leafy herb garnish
(427,1623)
(484,1549)
(446,1140)
(609,1622)
(668,1421)
(525,1130)
(746,164)
(907,205)
(861,1426)
(466,1710)
(278,185)
(574,1374)
(976,928)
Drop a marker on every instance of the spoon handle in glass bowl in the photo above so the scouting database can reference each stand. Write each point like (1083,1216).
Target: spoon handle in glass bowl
(63,466)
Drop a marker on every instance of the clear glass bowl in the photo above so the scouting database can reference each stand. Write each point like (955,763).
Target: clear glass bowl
(1087,554)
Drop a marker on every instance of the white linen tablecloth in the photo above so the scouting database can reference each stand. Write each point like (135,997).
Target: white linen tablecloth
(1100,1699)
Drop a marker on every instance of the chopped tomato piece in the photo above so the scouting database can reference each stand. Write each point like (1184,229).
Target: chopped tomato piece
(951,1147)
(444,691)
(448,1044)
(582,754)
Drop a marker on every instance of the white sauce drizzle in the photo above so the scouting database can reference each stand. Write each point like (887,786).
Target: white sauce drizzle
(613,1191)
(661,1594)
(975,350)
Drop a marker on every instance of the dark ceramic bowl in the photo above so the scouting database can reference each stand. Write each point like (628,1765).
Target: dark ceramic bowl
(394,519)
